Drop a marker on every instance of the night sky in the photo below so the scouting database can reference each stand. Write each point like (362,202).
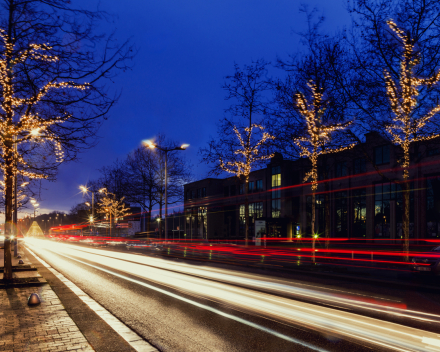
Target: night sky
(186,48)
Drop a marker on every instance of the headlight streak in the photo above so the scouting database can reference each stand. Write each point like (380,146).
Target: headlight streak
(252,283)
(343,323)
(203,306)
(215,275)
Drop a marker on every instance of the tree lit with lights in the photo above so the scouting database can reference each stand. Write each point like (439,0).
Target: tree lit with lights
(406,126)
(317,138)
(246,156)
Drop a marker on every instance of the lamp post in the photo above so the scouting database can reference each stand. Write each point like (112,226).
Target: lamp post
(35,204)
(85,190)
(151,145)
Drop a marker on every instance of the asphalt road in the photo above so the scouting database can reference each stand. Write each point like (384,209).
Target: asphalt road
(182,307)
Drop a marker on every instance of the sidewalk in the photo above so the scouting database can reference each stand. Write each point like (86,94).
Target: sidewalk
(61,322)
(45,327)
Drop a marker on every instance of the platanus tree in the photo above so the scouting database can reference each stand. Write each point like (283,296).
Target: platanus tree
(53,95)
(317,139)
(109,204)
(245,158)
(406,126)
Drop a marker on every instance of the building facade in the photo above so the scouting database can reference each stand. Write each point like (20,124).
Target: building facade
(360,195)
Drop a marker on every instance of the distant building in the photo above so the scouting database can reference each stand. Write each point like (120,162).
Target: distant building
(359,189)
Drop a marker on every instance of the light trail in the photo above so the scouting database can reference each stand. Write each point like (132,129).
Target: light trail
(221,286)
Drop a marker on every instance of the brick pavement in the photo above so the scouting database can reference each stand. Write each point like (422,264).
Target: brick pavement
(46,327)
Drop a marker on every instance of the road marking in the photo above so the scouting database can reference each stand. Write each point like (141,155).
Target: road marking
(430,341)
(203,306)
(135,341)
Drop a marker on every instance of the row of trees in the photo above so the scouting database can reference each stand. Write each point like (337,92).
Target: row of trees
(380,75)
(139,179)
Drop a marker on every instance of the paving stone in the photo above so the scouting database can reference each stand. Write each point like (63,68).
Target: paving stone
(46,327)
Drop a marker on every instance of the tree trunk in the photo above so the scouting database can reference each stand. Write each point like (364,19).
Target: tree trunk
(7,274)
(160,216)
(406,219)
(327,217)
(246,211)
(313,212)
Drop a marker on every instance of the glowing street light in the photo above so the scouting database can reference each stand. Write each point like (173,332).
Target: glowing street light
(85,190)
(152,145)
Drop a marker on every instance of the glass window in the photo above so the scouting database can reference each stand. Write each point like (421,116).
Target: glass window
(323,172)
(320,219)
(384,194)
(226,191)
(382,155)
(276,208)
(188,194)
(433,207)
(251,186)
(276,194)
(434,151)
(276,176)
(341,213)
(204,192)
(199,193)
(194,193)
(259,185)
(233,190)
(381,211)
(258,210)
(341,169)
(360,213)
(241,189)
(276,180)
(360,166)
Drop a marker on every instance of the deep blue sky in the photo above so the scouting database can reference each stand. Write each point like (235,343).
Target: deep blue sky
(186,48)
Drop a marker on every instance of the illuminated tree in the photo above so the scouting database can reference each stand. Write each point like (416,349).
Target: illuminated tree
(407,127)
(317,139)
(48,113)
(109,204)
(248,155)
(241,144)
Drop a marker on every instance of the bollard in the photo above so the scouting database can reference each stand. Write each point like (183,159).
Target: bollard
(20,262)
(33,300)
(19,256)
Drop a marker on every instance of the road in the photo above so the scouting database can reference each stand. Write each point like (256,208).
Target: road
(183,307)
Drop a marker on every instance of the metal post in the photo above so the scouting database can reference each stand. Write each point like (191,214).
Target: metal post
(166,196)
(93,215)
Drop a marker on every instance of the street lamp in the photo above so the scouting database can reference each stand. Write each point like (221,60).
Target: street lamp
(35,204)
(85,190)
(152,145)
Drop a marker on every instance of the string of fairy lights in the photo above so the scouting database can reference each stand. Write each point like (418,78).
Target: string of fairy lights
(316,141)
(30,126)
(109,204)
(249,152)
(406,128)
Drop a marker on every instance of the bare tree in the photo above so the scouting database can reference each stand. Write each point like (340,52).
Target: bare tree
(178,173)
(142,168)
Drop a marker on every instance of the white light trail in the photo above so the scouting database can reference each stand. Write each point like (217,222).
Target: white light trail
(324,319)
